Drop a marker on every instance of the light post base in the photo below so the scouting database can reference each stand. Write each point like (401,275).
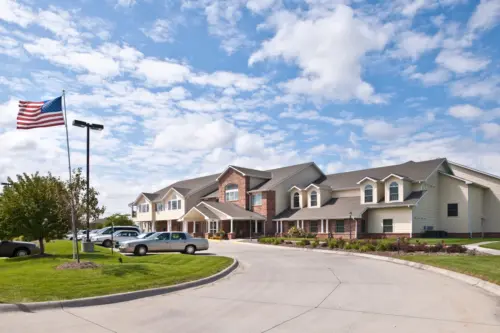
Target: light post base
(87,246)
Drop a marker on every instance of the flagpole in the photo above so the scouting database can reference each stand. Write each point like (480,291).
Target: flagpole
(73,223)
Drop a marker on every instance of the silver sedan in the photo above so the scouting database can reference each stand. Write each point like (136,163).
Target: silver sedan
(165,242)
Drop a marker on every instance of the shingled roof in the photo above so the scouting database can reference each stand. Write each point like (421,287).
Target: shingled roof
(415,171)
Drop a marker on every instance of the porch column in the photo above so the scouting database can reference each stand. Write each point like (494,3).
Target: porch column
(322,229)
(327,226)
(217,226)
(298,224)
(231,225)
(184,226)
(303,225)
(256,224)
(281,226)
(169,225)
(356,229)
(194,227)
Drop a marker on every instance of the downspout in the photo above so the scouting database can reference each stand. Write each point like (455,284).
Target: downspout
(468,212)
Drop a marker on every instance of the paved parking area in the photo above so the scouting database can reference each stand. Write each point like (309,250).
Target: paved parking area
(278,290)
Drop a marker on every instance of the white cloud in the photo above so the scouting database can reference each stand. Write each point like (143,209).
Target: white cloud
(328,50)
(160,32)
(490,130)
(461,62)
(486,15)
(125,3)
(413,6)
(223,79)
(58,21)
(414,44)
(465,111)
(335,167)
(249,145)
(382,130)
(485,88)
(432,78)
(258,6)
(162,72)
(14,12)
(8,110)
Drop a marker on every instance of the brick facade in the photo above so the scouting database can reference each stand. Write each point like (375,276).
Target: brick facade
(233,177)
(268,209)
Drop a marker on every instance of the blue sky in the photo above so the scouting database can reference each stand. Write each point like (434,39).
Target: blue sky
(185,88)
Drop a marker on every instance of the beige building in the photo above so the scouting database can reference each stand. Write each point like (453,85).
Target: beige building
(406,199)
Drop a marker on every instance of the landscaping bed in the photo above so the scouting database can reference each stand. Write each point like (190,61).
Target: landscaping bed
(35,279)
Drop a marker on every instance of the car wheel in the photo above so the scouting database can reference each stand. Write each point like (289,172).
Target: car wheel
(140,250)
(21,252)
(107,243)
(190,249)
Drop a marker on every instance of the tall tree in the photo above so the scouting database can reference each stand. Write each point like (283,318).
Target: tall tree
(33,207)
(79,190)
(118,219)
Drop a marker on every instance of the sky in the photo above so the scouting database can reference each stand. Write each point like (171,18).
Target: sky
(185,88)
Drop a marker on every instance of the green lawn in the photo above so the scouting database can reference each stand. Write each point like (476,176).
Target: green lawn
(449,241)
(36,279)
(494,246)
(484,267)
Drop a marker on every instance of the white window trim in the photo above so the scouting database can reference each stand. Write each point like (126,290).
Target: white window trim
(317,199)
(293,200)
(235,190)
(392,226)
(390,192)
(178,205)
(364,194)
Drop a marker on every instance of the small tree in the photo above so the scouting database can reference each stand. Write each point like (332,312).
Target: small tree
(33,207)
(118,219)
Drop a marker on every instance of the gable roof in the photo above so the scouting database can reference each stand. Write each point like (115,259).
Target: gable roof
(335,208)
(281,174)
(233,211)
(417,171)
(248,172)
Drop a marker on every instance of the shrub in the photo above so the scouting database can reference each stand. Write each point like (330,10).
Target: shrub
(332,243)
(436,248)
(277,241)
(348,246)
(364,248)
(340,243)
(355,245)
(455,248)
(315,243)
(420,248)
(309,235)
(384,245)
(296,232)
(303,242)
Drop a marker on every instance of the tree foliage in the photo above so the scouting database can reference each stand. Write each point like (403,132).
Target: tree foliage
(33,206)
(118,219)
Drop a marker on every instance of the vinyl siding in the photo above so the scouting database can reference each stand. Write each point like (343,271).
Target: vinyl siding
(401,219)
(307,175)
(475,207)
(345,193)
(144,216)
(406,189)
(491,197)
(171,214)
(426,213)
(325,196)
(195,198)
(388,183)
(453,191)
(378,191)
(254,181)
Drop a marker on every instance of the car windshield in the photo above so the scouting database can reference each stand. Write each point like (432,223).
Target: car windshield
(146,235)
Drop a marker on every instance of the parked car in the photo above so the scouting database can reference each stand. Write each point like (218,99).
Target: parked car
(165,241)
(79,234)
(146,235)
(107,239)
(17,249)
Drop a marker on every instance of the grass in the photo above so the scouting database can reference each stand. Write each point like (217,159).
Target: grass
(483,267)
(494,246)
(35,279)
(450,241)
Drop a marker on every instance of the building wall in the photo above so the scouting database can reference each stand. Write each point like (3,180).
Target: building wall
(401,220)
(452,190)
(308,175)
(475,207)
(426,213)
(267,209)
(195,198)
(254,181)
(406,189)
(144,216)
(233,177)
(378,191)
(491,198)
(325,196)
(172,214)
(345,193)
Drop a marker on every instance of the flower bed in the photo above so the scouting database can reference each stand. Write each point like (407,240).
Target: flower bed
(379,246)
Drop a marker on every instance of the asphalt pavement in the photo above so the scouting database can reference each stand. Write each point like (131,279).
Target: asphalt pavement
(278,290)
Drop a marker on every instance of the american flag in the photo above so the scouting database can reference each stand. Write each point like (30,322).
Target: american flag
(40,114)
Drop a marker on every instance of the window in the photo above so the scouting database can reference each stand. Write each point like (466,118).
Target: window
(231,192)
(314,199)
(174,203)
(313,226)
(213,227)
(164,236)
(368,193)
(257,199)
(394,191)
(296,200)
(339,226)
(387,225)
(453,210)
(160,207)
(144,208)
(178,236)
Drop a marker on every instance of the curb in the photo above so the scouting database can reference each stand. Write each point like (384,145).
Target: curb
(117,298)
(470,280)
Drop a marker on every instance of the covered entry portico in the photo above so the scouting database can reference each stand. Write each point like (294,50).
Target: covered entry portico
(209,218)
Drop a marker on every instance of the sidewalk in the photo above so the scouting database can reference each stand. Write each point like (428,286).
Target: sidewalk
(482,249)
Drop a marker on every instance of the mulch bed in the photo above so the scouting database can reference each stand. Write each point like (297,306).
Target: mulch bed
(81,265)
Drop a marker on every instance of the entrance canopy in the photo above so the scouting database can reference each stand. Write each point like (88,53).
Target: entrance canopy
(213,211)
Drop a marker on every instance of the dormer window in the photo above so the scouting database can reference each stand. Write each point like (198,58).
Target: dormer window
(174,203)
(394,191)
(296,200)
(231,192)
(314,199)
(368,193)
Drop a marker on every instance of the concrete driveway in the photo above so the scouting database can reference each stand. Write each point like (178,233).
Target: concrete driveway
(278,290)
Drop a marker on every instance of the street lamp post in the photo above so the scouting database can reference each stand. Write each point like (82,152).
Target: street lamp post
(96,127)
